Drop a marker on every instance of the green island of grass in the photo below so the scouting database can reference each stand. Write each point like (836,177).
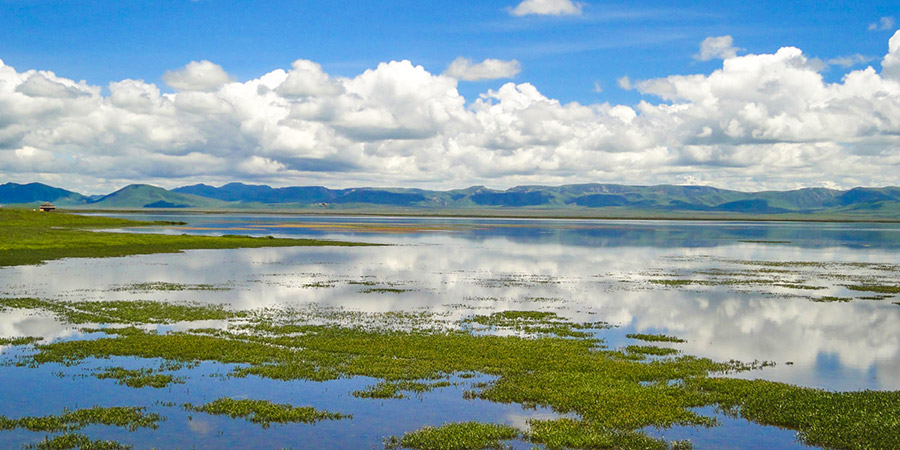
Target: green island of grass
(131,418)
(137,378)
(608,396)
(75,440)
(30,237)
(265,413)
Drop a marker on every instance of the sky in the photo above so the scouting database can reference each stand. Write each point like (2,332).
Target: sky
(95,95)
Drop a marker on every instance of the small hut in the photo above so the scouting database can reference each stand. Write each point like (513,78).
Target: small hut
(47,207)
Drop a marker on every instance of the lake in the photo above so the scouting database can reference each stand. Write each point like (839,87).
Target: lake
(815,299)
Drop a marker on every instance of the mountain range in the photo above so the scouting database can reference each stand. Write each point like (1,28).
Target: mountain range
(876,202)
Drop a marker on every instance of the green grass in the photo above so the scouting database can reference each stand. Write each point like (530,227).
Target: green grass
(28,237)
(650,350)
(74,440)
(265,413)
(137,378)
(654,338)
(20,340)
(130,311)
(395,389)
(457,436)
(131,418)
(164,286)
(611,395)
(878,288)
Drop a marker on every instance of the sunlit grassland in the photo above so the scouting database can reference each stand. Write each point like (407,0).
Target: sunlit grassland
(30,237)
(608,396)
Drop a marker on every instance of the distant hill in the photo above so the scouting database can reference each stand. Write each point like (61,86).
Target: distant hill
(146,196)
(38,193)
(615,199)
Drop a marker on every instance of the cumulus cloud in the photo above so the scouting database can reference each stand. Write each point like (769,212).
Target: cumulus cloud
(760,121)
(883,24)
(717,47)
(891,63)
(489,69)
(197,76)
(547,8)
(850,61)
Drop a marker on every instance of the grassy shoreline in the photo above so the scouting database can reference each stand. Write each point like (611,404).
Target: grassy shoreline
(29,237)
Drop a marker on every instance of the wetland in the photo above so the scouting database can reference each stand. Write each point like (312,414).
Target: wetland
(450,333)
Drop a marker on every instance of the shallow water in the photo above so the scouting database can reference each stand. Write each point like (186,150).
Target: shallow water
(733,290)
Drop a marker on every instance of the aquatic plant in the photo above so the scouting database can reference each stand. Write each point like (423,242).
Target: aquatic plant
(395,389)
(120,416)
(73,440)
(138,378)
(126,311)
(20,340)
(265,413)
(654,337)
(650,350)
(457,436)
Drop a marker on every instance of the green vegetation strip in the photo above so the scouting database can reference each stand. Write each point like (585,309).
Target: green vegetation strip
(138,378)
(610,395)
(20,340)
(127,417)
(126,311)
(456,436)
(265,413)
(73,440)
(654,338)
(28,237)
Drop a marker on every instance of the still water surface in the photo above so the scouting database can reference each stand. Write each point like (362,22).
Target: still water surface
(747,291)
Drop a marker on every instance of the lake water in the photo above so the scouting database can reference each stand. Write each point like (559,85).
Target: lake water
(778,292)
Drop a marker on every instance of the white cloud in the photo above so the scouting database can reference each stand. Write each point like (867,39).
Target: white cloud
(717,47)
(891,63)
(197,76)
(547,8)
(624,83)
(598,88)
(883,24)
(850,61)
(489,69)
(759,121)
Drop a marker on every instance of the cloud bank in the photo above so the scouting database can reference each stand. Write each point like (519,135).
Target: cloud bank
(547,8)
(489,69)
(766,121)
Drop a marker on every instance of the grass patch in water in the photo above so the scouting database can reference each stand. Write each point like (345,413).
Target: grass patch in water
(73,440)
(650,350)
(383,291)
(877,288)
(395,389)
(20,340)
(536,323)
(138,378)
(569,433)
(28,237)
(655,338)
(131,418)
(456,436)
(125,311)
(164,286)
(265,413)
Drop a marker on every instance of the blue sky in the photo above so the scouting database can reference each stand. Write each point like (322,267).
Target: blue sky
(580,55)
(103,41)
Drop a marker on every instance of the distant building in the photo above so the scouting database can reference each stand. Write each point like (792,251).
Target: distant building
(47,207)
